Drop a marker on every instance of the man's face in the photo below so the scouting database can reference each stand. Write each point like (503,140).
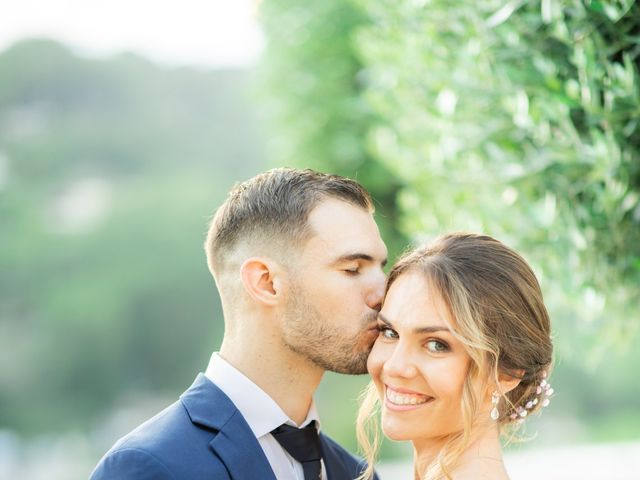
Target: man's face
(337,286)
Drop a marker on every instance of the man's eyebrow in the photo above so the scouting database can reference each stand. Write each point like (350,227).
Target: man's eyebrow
(419,330)
(359,256)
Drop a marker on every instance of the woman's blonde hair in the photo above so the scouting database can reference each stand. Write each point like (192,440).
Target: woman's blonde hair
(495,303)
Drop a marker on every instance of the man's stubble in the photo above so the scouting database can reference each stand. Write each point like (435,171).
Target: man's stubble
(308,333)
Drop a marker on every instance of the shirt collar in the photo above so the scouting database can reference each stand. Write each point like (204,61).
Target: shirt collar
(260,411)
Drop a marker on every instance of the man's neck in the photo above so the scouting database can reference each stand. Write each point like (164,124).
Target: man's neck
(289,379)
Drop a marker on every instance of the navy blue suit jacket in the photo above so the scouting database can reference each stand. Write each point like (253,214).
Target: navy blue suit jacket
(204,436)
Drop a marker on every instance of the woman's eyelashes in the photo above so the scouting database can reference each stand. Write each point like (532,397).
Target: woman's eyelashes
(433,345)
(437,346)
(387,332)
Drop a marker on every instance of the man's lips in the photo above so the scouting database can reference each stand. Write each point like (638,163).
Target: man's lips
(402,399)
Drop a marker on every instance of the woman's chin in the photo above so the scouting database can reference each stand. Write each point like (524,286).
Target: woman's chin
(395,432)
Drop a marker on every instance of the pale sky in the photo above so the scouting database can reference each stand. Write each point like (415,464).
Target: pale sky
(201,33)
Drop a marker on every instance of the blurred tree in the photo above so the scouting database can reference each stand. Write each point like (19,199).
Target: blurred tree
(313,84)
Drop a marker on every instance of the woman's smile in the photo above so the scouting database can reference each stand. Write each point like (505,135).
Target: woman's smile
(399,399)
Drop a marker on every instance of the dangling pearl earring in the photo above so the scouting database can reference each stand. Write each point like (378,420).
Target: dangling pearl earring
(495,398)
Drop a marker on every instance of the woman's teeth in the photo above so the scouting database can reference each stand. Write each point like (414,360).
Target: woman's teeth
(406,398)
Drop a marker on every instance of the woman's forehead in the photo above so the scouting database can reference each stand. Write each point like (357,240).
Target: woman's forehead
(412,300)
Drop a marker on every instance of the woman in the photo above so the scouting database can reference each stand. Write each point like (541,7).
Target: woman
(464,350)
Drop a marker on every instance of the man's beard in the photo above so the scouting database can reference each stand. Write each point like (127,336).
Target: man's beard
(306,333)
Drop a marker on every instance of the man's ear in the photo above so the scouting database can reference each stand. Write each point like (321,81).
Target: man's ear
(261,278)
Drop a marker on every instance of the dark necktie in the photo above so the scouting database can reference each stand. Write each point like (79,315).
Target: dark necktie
(303,444)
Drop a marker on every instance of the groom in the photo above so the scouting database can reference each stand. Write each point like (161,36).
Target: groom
(297,259)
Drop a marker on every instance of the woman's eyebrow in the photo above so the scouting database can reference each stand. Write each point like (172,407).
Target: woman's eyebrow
(418,330)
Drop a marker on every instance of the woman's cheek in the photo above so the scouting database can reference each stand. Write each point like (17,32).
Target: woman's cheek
(376,360)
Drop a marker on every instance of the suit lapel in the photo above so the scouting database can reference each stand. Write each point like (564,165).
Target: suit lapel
(338,463)
(240,451)
(234,443)
(332,464)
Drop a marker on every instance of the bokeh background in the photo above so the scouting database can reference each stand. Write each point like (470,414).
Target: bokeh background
(123,125)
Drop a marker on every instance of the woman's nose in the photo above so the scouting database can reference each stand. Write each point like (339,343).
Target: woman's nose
(400,363)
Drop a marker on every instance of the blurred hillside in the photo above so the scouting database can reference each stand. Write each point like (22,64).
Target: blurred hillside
(108,173)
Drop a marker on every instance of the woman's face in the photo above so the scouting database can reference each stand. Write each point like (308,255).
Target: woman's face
(417,365)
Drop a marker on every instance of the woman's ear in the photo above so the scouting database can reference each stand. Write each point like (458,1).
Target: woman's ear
(261,280)
(509,382)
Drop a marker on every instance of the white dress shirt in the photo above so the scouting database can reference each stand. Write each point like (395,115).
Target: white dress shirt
(262,414)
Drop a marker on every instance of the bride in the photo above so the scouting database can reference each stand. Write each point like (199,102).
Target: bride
(464,351)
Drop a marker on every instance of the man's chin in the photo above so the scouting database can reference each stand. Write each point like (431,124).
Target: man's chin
(354,366)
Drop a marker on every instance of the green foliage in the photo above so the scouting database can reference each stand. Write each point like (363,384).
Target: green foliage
(93,309)
(519,119)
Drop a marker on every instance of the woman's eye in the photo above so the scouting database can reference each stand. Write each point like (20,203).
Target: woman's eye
(352,271)
(388,333)
(436,346)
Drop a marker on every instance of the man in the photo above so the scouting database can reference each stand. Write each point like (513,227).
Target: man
(297,259)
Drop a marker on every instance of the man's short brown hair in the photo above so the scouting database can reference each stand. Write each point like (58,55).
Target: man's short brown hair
(273,208)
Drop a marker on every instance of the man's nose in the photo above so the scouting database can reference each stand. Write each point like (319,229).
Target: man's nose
(376,293)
